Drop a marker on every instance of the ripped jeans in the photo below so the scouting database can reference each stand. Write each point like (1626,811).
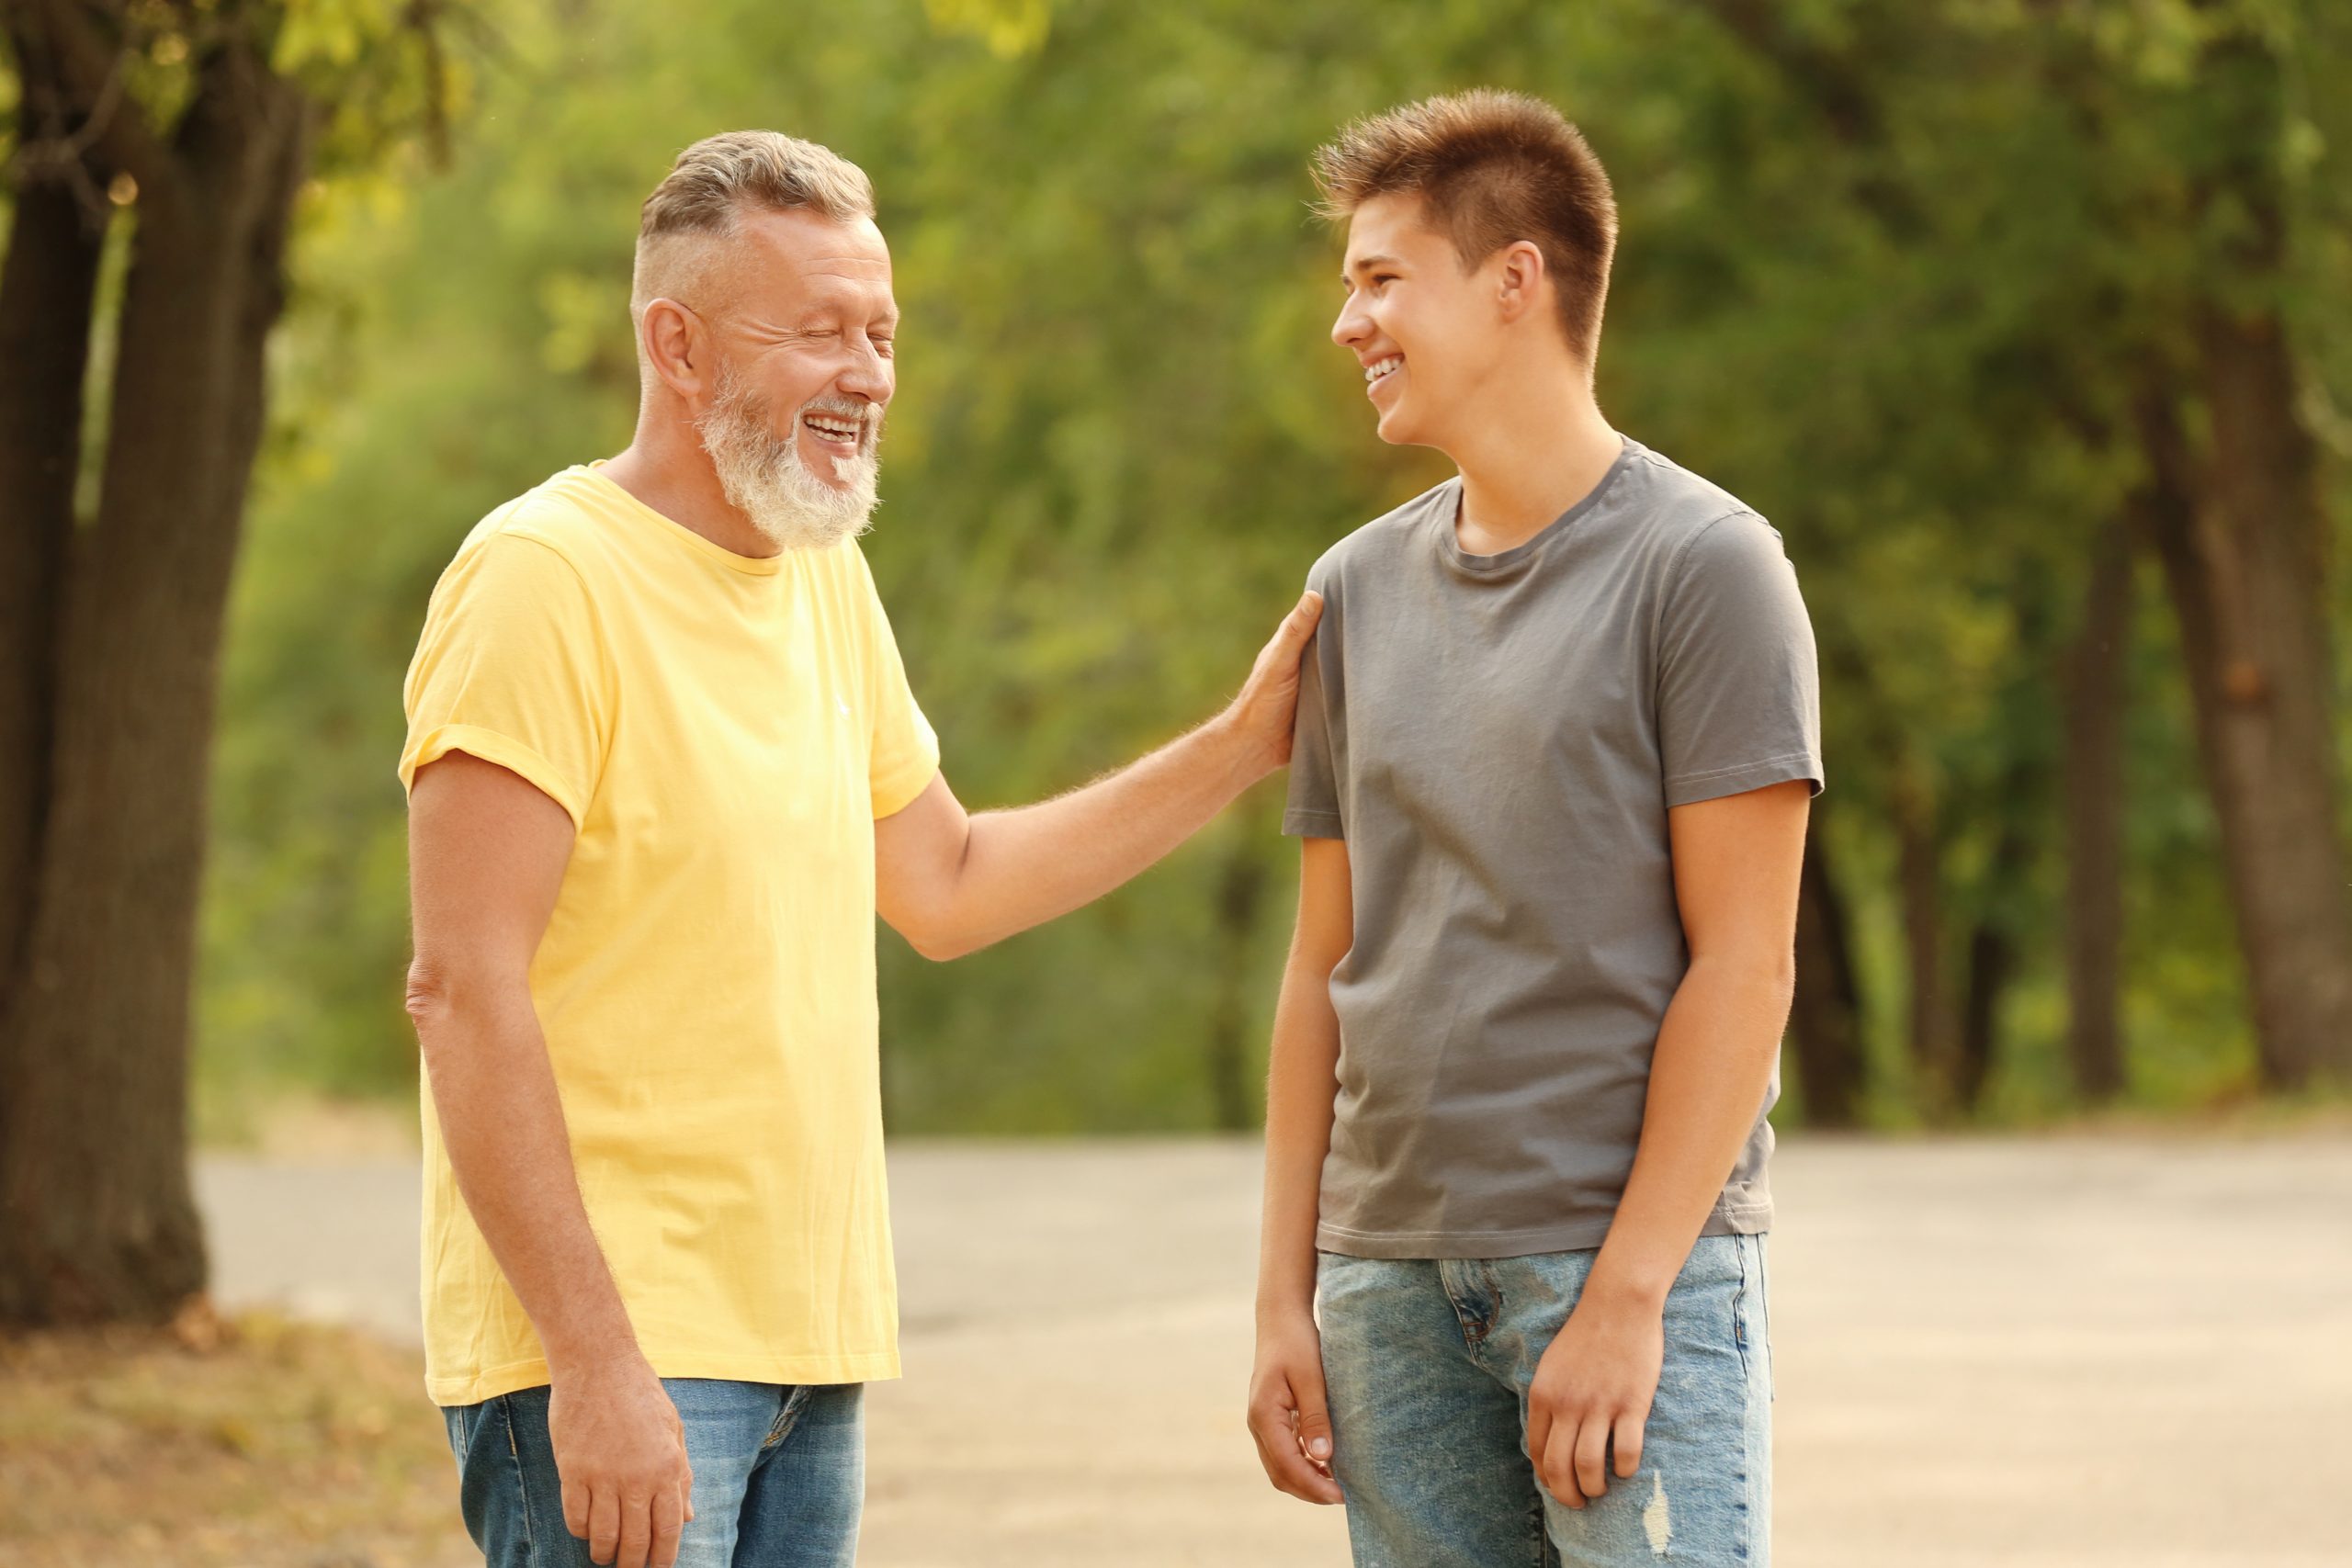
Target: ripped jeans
(1427,1363)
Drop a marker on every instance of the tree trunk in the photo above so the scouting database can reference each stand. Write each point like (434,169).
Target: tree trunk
(100,1221)
(1240,890)
(1919,878)
(2252,632)
(2094,700)
(48,289)
(1824,1020)
(2241,537)
(1992,946)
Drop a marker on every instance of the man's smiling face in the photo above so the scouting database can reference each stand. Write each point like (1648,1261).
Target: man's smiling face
(811,325)
(804,325)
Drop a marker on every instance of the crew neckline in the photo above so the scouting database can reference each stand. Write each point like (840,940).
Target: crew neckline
(750,566)
(1450,542)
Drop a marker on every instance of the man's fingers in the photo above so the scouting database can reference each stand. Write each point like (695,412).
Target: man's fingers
(670,1504)
(604,1525)
(1299,624)
(637,1530)
(575,1508)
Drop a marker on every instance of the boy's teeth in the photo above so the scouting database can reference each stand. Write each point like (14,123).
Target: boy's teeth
(1378,368)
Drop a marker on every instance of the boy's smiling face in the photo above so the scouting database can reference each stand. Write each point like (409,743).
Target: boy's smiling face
(1425,331)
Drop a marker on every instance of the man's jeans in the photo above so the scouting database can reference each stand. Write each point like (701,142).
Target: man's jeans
(1427,1363)
(779,1476)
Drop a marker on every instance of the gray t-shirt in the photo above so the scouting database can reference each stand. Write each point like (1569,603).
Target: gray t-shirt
(1498,739)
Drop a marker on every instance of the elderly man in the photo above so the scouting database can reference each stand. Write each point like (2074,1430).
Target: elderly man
(664,768)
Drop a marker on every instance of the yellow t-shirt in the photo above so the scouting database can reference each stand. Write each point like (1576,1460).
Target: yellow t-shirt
(722,731)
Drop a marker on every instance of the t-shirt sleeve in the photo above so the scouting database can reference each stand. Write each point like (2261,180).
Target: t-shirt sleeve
(512,668)
(1740,697)
(905,751)
(1318,734)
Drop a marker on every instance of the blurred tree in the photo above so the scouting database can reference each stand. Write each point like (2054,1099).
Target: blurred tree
(2244,544)
(2124,281)
(2095,696)
(193,127)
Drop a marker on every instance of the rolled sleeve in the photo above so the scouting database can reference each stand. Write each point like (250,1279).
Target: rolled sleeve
(511,669)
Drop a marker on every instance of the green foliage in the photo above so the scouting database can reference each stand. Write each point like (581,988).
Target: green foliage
(1121,437)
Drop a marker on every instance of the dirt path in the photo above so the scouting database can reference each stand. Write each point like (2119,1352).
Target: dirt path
(2032,1352)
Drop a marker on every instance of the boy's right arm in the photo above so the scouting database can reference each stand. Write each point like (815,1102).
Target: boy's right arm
(1287,1412)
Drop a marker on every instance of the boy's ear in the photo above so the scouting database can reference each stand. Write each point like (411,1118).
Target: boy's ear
(1519,279)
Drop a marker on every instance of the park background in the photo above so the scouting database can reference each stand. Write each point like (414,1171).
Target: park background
(2022,320)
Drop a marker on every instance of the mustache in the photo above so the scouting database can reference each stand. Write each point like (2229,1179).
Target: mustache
(867,415)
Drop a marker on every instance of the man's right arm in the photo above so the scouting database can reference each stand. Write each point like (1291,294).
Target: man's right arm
(487,852)
(1288,1415)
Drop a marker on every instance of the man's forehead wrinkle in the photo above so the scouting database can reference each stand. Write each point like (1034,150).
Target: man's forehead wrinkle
(820,281)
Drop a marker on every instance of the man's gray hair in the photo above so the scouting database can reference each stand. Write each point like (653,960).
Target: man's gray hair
(720,179)
(716,178)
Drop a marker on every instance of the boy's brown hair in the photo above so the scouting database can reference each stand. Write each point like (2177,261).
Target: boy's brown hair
(1493,167)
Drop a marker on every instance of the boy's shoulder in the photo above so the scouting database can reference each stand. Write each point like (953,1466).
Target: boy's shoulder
(1677,506)
(1382,540)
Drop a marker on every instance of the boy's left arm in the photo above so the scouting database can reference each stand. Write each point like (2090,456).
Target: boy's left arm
(1736,867)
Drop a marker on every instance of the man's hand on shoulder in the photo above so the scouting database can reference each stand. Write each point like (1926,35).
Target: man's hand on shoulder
(952,883)
(620,1452)
(1263,713)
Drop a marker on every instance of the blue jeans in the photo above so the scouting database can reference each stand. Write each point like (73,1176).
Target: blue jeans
(779,1476)
(1427,1363)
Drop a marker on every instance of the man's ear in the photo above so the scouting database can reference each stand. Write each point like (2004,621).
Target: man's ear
(1521,285)
(675,343)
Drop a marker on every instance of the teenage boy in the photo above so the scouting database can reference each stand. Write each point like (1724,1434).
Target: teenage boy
(1557,736)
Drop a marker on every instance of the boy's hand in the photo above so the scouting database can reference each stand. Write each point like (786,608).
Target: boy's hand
(1287,1414)
(1596,1381)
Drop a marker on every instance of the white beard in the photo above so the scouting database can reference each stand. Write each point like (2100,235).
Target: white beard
(764,477)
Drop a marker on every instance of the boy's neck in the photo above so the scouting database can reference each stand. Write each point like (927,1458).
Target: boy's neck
(1539,449)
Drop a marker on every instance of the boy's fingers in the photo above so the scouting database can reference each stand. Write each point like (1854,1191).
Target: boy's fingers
(1592,1457)
(1558,1468)
(1539,1434)
(1629,1445)
(1314,1416)
(1278,1432)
